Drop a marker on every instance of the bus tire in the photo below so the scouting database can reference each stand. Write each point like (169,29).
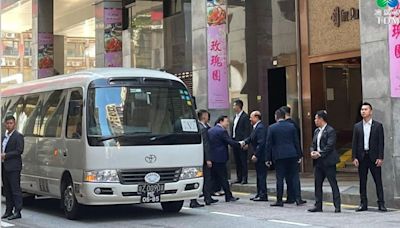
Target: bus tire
(172,207)
(68,200)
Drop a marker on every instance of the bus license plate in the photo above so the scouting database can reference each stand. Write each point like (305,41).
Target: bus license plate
(150,193)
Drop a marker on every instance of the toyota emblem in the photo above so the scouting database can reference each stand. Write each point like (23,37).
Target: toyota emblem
(150,158)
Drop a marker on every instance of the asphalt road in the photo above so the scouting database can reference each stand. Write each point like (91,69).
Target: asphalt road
(244,213)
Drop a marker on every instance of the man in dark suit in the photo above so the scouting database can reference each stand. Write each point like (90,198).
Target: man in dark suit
(241,130)
(203,117)
(257,140)
(219,140)
(323,151)
(290,197)
(368,151)
(283,149)
(12,148)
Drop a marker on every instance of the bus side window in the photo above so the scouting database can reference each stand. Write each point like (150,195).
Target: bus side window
(52,115)
(74,118)
(28,117)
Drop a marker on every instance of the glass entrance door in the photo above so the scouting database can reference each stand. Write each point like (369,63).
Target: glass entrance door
(343,97)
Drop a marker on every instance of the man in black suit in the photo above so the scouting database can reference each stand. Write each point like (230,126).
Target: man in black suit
(290,197)
(241,130)
(257,140)
(283,149)
(219,140)
(203,117)
(12,148)
(368,151)
(325,156)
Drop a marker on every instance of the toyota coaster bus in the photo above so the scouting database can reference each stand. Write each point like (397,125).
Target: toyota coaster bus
(108,136)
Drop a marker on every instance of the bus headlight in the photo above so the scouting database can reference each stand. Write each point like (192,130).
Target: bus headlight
(191,172)
(105,176)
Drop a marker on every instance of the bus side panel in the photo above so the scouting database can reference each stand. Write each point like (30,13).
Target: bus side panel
(29,180)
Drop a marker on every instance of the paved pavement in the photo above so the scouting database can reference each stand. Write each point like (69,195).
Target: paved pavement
(244,213)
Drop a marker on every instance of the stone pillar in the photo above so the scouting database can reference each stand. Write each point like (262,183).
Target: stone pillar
(59,58)
(42,39)
(376,90)
(108,15)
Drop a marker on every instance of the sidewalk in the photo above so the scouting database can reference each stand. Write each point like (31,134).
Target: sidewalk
(348,186)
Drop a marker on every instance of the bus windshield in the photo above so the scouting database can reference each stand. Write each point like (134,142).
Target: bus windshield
(141,115)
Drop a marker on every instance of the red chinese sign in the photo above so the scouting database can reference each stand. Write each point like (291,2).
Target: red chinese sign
(394,54)
(218,95)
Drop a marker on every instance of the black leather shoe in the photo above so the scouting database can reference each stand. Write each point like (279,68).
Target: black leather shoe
(232,199)
(300,202)
(337,210)
(244,182)
(277,204)
(237,182)
(210,201)
(289,202)
(255,197)
(6,215)
(260,199)
(362,208)
(382,208)
(315,209)
(16,215)
(196,205)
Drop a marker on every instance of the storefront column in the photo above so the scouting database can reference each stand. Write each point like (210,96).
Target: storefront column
(377,79)
(42,39)
(59,58)
(108,33)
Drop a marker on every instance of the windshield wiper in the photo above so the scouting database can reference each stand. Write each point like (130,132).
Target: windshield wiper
(105,138)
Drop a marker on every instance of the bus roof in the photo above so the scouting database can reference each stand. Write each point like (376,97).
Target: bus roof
(81,79)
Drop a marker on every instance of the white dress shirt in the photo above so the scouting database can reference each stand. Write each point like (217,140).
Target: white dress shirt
(235,122)
(255,125)
(367,133)
(5,141)
(321,131)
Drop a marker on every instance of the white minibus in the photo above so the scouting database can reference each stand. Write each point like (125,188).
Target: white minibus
(108,136)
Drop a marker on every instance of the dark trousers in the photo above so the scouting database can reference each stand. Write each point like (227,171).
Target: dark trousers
(221,178)
(207,185)
(241,164)
(320,173)
(291,194)
(261,170)
(285,169)
(365,165)
(12,189)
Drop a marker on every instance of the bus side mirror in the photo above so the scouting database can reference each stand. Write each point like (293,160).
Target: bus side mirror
(194,102)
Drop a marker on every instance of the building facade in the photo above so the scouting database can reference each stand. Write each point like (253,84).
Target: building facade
(308,54)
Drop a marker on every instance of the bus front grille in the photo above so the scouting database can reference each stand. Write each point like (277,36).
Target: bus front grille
(137,176)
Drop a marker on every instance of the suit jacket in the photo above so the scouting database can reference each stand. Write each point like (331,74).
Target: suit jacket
(206,143)
(282,142)
(290,120)
(258,140)
(219,140)
(13,151)
(329,155)
(243,128)
(376,141)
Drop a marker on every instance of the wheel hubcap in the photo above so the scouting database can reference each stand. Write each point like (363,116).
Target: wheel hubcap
(69,198)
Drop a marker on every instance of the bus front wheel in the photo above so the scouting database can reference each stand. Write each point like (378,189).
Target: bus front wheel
(70,204)
(172,207)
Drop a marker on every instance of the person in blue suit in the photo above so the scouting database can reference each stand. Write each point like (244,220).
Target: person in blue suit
(219,140)
(257,140)
(283,149)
